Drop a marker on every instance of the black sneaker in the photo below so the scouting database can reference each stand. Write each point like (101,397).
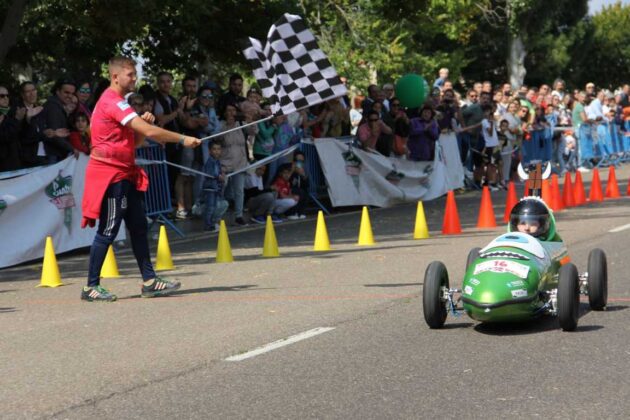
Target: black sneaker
(97,294)
(160,287)
(239,221)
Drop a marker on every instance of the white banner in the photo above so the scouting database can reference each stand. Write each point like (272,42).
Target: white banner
(356,177)
(43,203)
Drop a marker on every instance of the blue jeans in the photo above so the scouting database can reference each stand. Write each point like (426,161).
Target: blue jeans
(234,190)
(215,208)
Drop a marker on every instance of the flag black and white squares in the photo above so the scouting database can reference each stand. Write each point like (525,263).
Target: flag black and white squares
(291,70)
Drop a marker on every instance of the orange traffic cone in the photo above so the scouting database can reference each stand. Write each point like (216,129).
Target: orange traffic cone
(612,189)
(567,192)
(486,212)
(510,201)
(556,199)
(451,224)
(546,192)
(578,192)
(596,188)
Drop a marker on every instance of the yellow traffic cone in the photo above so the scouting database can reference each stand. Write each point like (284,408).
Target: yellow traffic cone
(109,270)
(321,234)
(224,251)
(365,232)
(270,246)
(421,230)
(164,261)
(50,270)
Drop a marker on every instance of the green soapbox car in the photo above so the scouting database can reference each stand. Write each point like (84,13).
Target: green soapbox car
(516,277)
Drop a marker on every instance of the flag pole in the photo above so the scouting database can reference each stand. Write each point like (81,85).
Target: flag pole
(263,119)
(237,128)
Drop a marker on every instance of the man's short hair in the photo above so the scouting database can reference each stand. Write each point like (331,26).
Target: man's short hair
(164,73)
(388,86)
(63,81)
(26,83)
(121,61)
(187,78)
(235,76)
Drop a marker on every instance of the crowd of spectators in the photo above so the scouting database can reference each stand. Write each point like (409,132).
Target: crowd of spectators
(494,126)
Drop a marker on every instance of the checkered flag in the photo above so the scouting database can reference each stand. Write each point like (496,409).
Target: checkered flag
(291,70)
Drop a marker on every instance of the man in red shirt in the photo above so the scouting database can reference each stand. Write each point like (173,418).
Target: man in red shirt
(114,185)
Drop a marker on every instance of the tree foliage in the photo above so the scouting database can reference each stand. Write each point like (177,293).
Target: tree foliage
(366,40)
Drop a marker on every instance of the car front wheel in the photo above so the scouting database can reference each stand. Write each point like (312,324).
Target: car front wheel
(433,301)
(597,279)
(568,297)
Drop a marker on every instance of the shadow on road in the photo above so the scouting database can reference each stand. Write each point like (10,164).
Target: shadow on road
(615,308)
(535,326)
(3,310)
(205,290)
(393,285)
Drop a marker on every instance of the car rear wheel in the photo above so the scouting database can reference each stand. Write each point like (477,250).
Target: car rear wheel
(568,297)
(433,301)
(472,256)
(597,279)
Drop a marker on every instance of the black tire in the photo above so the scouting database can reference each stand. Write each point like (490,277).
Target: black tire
(597,279)
(568,297)
(472,256)
(433,304)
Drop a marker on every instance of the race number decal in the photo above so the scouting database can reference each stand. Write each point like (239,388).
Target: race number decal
(502,266)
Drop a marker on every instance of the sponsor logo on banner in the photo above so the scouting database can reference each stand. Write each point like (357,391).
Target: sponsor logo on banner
(502,266)
(468,290)
(353,165)
(474,281)
(60,193)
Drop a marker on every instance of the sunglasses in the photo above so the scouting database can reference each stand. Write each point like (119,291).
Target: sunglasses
(85,90)
(4,95)
(206,96)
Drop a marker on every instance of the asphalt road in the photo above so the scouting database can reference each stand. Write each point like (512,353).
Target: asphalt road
(166,358)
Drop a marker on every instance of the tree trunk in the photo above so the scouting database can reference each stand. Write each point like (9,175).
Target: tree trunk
(516,61)
(10,27)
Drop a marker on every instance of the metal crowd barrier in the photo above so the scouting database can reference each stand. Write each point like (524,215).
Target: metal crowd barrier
(603,141)
(157,199)
(539,146)
(317,181)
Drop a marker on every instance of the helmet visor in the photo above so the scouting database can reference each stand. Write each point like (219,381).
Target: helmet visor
(535,225)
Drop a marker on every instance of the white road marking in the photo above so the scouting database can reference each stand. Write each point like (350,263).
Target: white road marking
(280,343)
(620,228)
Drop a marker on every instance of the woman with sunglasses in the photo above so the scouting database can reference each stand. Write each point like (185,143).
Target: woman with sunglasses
(84,93)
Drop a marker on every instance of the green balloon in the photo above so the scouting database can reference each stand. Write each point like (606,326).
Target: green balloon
(412,90)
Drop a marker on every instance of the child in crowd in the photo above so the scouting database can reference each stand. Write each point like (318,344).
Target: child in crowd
(286,199)
(506,144)
(570,153)
(299,185)
(259,200)
(491,152)
(80,135)
(213,185)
